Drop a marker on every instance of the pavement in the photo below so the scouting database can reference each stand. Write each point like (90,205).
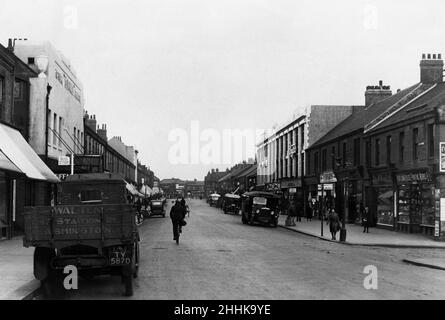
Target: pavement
(355,235)
(17,280)
(220,258)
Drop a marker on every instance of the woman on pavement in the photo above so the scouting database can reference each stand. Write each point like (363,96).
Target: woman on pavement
(334,223)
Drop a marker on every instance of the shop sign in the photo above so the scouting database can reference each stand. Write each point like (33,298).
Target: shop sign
(436,229)
(292,190)
(442,157)
(382,179)
(328,177)
(64,161)
(291,184)
(273,186)
(326,187)
(414,177)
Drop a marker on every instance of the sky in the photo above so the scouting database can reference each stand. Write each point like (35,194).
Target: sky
(155,71)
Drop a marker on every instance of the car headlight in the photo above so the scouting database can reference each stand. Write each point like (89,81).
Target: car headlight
(258,211)
(272,213)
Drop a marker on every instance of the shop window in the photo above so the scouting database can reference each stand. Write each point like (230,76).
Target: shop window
(401,146)
(431,140)
(31,60)
(385,206)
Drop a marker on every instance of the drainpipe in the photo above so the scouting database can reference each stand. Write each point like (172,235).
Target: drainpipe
(48,92)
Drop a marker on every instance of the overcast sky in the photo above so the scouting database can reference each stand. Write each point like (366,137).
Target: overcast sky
(149,67)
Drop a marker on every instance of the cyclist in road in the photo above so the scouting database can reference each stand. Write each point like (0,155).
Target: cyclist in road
(177,214)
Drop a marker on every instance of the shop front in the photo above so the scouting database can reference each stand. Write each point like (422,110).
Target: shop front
(381,199)
(349,193)
(416,202)
(293,191)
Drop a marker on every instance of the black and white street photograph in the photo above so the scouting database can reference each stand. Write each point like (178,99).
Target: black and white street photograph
(218,155)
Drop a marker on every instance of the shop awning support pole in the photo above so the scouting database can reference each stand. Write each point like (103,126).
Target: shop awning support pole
(321,208)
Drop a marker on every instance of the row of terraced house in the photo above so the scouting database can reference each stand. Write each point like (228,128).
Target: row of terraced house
(43,125)
(387,154)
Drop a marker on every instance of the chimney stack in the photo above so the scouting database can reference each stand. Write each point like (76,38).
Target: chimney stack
(431,68)
(102,132)
(90,122)
(375,94)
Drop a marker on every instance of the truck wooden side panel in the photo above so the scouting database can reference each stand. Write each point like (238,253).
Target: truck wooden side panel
(79,224)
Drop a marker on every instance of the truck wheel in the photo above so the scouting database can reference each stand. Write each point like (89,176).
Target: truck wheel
(136,261)
(128,283)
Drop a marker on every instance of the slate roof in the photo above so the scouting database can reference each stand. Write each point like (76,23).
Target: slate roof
(233,173)
(245,171)
(424,104)
(358,120)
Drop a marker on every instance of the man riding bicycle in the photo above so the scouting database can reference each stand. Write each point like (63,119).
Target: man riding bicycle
(177,214)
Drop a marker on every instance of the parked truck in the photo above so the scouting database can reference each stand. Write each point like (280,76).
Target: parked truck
(91,227)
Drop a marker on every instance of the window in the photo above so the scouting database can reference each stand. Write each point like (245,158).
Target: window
(323,160)
(377,152)
(2,90)
(415,143)
(333,156)
(74,138)
(316,162)
(309,163)
(90,196)
(431,140)
(368,152)
(357,152)
(31,60)
(55,129)
(401,146)
(60,132)
(388,149)
(302,137)
(344,154)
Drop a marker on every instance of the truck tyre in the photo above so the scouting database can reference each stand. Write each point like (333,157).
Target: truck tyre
(42,260)
(127,280)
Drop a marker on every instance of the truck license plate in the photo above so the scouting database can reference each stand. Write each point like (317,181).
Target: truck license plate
(119,256)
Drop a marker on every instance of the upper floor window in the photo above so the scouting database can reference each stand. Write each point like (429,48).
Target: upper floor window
(344,154)
(333,157)
(388,149)
(323,160)
(377,152)
(415,143)
(401,146)
(431,140)
(357,152)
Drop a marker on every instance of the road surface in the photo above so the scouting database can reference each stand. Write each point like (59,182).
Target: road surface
(220,258)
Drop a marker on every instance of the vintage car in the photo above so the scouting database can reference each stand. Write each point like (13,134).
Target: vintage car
(260,207)
(214,199)
(231,203)
(157,207)
(92,227)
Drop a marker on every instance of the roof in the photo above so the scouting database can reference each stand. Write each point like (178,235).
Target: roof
(231,195)
(94,177)
(422,105)
(171,181)
(233,173)
(244,172)
(261,194)
(358,120)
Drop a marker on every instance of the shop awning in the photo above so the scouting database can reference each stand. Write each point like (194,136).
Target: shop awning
(15,149)
(132,189)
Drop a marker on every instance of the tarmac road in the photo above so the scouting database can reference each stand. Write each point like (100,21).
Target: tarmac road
(220,258)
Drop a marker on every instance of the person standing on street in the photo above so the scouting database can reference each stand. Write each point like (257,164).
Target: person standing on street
(177,214)
(366,220)
(334,223)
(291,214)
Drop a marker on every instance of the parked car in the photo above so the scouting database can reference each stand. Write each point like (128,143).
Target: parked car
(260,207)
(214,199)
(231,203)
(157,207)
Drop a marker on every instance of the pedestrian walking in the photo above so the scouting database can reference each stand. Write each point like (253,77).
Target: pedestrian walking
(308,213)
(334,223)
(366,220)
(291,214)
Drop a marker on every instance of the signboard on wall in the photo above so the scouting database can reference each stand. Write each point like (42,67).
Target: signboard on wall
(442,156)
(64,161)
(442,209)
